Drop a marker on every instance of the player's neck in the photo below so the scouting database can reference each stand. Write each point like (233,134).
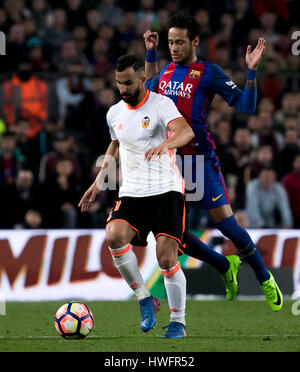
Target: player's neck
(142,97)
(193,58)
(189,61)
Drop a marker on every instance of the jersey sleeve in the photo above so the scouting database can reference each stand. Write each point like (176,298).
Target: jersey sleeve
(223,85)
(168,112)
(152,84)
(111,130)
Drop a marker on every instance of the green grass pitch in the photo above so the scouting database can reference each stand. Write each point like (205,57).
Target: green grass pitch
(211,326)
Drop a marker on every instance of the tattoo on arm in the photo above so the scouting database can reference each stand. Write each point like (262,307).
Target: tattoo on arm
(251,84)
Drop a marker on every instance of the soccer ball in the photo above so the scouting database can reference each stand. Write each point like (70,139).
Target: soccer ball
(74,320)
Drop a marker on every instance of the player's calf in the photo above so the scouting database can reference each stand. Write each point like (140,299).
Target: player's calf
(174,278)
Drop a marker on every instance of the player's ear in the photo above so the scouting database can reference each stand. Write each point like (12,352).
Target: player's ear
(142,77)
(196,41)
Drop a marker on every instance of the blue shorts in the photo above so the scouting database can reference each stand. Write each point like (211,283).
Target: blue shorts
(214,191)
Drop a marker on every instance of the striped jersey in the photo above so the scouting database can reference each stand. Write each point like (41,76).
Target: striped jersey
(192,89)
(138,129)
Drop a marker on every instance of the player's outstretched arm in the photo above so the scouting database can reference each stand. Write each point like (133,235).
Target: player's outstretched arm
(151,44)
(183,134)
(112,154)
(247,101)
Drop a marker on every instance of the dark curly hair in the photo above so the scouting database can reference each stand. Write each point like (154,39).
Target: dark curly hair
(185,21)
(129,61)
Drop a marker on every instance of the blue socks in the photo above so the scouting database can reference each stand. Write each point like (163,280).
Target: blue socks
(241,239)
(196,248)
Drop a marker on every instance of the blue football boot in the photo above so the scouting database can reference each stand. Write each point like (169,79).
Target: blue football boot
(175,330)
(148,318)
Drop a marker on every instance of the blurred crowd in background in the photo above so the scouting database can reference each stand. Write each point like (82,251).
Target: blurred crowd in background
(57,83)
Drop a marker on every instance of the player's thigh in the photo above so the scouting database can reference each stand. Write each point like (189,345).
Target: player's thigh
(169,227)
(169,218)
(119,233)
(130,213)
(166,251)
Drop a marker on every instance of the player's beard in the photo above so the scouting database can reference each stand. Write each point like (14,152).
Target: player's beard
(132,99)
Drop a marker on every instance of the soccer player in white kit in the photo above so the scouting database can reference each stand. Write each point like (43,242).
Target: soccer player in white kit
(146,128)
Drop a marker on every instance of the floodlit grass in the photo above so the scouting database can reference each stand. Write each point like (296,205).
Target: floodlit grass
(211,326)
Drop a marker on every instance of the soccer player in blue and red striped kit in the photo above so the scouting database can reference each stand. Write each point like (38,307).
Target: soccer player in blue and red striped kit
(192,84)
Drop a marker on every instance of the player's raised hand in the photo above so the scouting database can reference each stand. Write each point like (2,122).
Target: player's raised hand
(253,57)
(156,152)
(151,40)
(88,198)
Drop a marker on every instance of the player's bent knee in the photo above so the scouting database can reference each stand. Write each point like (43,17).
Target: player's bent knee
(118,234)
(166,263)
(166,251)
(116,239)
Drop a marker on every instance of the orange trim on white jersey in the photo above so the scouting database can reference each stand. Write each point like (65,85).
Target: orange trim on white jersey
(143,101)
(172,121)
(176,170)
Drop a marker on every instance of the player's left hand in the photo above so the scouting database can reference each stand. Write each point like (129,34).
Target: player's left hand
(156,152)
(88,198)
(253,58)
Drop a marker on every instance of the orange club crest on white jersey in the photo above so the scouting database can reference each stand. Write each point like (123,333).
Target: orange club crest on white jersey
(145,122)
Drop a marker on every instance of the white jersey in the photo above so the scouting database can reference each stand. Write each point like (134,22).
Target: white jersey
(138,129)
